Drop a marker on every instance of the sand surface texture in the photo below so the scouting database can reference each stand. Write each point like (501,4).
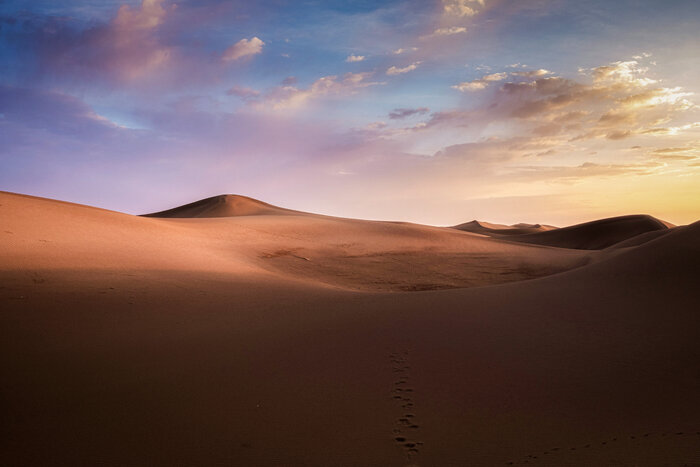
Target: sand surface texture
(233,332)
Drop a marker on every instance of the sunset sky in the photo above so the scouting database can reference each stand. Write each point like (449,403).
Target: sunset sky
(439,112)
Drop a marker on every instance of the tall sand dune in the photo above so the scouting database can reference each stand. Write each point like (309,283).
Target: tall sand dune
(222,206)
(295,340)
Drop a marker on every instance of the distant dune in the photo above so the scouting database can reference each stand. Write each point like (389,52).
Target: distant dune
(595,235)
(232,332)
(487,228)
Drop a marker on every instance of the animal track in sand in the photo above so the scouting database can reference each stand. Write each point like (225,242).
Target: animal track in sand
(405,429)
(532,458)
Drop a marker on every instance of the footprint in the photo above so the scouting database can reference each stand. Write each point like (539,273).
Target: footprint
(401,393)
(605,443)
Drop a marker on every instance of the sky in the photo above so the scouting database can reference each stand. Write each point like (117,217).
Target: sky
(429,111)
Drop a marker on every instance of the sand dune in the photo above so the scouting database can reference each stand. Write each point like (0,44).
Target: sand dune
(222,206)
(486,228)
(267,339)
(267,241)
(596,235)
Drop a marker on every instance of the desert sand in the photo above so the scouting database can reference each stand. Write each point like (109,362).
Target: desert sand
(233,332)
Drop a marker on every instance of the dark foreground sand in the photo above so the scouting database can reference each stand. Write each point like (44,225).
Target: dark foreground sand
(283,338)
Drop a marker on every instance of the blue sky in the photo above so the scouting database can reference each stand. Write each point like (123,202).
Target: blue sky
(440,111)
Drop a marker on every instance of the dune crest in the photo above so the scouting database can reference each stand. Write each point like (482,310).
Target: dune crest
(222,206)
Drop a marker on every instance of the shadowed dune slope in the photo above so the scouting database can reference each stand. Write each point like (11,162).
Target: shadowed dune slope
(595,235)
(641,239)
(487,228)
(222,206)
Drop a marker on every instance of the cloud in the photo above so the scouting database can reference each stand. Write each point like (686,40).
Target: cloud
(672,131)
(127,49)
(539,127)
(243,92)
(686,153)
(50,137)
(393,70)
(243,48)
(618,134)
(480,83)
(355,58)
(375,126)
(530,74)
(618,101)
(403,112)
(475,85)
(402,50)
(149,16)
(622,72)
(288,96)
(658,96)
(52,112)
(564,173)
(449,31)
(462,8)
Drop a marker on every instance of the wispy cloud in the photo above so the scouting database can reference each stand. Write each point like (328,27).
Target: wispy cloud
(531,73)
(355,58)
(394,70)
(404,112)
(481,83)
(287,96)
(449,31)
(404,50)
(243,92)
